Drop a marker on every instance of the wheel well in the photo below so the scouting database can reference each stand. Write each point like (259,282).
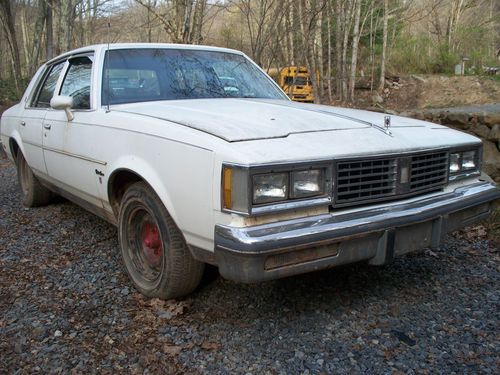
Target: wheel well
(118,185)
(14,148)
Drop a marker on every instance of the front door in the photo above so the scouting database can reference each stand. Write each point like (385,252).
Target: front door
(68,146)
(33,116)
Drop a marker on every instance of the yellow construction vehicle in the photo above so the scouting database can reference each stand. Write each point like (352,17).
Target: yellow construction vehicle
(295,81)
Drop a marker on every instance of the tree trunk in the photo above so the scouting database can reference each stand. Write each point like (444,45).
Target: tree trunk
(329,50)
(49,47)
(355,43)
(384,46)
(7,17)
(338,47)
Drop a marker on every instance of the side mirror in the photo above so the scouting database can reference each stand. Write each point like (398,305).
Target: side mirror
(63,102)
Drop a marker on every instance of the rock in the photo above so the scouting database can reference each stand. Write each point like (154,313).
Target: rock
(418,78)
(482,131)
(419,116)
(18,348)
(377,99)
(39,332)
(491,159)
(58,333)
(491,119)
(460,120)
(494,133)
(299,354)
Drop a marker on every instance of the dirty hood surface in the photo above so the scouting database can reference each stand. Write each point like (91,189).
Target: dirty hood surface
(252,119)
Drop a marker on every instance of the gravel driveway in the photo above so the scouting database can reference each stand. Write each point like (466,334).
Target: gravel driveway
(66,306)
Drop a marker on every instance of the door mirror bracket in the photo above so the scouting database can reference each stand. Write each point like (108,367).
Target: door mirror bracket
(65,103)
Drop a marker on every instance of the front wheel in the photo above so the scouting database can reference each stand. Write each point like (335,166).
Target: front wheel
(154,251)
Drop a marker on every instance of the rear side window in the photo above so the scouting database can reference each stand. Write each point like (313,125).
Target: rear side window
(46,92)
(77,82)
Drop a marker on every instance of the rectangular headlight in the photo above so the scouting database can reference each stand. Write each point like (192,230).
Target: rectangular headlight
(270,187)
(454,162)
(469,160)
(255,190)
(464,162)
(307,183)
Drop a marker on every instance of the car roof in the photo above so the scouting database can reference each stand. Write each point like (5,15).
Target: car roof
(115,46)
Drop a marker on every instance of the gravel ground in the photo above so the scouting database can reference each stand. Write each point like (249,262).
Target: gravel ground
(66,306)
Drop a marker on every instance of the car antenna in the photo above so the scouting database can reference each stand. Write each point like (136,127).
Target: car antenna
(107,64)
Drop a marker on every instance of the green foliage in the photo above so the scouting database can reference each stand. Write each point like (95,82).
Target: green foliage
(420,54)
(423,54)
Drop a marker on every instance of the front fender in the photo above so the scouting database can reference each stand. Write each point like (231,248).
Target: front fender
(141,168)
(182,177)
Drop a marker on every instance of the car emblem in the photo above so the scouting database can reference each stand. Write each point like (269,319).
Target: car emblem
(387,123)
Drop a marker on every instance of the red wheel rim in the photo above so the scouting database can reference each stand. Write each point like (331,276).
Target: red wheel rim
(152,246)
(145,245)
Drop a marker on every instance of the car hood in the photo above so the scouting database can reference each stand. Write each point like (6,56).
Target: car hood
(236,120)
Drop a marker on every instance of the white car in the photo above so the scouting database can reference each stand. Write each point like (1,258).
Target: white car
(146,136)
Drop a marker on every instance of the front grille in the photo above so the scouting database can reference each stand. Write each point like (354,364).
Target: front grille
(428,170)
(365,180)
(371,180)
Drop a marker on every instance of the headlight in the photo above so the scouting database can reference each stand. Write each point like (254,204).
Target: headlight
(271,187)
(307,183)
(261,189)
(454,163)
(464,162)
(469,160)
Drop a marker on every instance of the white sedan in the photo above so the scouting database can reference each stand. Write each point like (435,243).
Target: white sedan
(198,157)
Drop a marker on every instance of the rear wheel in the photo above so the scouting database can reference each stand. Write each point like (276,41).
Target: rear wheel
(154,251)
(34,194)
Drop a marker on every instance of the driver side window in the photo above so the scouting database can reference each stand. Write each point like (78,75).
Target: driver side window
(77,82)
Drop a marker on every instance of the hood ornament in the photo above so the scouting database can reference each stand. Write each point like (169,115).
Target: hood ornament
(387,124)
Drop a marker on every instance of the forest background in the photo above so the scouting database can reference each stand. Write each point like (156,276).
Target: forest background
(348,43)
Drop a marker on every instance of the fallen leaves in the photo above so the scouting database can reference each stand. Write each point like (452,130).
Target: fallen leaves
(172,350)
(162,309)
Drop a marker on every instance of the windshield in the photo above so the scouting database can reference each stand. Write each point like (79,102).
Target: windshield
(137,75)
(301,81)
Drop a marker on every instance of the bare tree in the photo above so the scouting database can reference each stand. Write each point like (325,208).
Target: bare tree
(384,45)
(7,17)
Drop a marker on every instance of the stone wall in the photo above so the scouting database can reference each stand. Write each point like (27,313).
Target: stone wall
(473,120)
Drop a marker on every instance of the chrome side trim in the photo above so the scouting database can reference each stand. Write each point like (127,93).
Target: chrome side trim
(310,231)
(75,155)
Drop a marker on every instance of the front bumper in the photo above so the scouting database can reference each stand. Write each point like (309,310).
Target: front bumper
(280,249)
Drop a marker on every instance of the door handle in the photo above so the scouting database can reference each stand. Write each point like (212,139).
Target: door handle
(47,126)
(23,123)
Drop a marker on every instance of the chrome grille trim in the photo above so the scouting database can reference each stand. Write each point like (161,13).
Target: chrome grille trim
(360,180)
(428,170)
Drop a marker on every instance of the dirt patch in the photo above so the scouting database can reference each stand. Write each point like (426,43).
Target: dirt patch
(433,91)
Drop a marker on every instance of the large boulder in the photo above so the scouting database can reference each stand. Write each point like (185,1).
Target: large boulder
(459,120)
(494,134)
(491,159)
(491,119)
(482,131)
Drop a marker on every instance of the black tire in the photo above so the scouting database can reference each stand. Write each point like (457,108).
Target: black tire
(154,251)
(34,194)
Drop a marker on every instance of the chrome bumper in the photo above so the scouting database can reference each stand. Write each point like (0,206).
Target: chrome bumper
(270,251)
